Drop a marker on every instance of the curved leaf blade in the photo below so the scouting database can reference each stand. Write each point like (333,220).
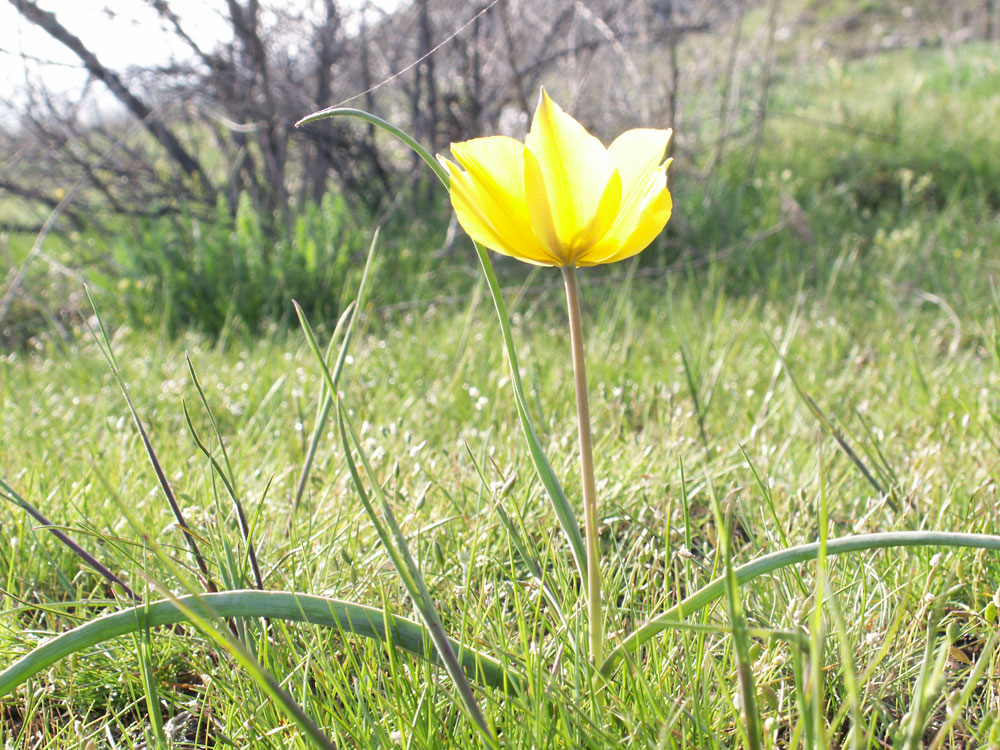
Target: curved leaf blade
(350,617)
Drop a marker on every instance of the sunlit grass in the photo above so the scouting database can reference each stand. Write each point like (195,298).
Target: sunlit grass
(428,399)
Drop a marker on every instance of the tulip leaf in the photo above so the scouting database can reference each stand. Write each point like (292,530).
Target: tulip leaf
(368,622)
(716,589)
(560,503)
(402,135)
(557,496)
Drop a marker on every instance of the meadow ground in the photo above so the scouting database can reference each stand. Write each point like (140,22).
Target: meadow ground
(869,270)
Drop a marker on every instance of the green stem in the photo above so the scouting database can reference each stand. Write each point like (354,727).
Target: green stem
(595,616)
(783,558)
(277,605)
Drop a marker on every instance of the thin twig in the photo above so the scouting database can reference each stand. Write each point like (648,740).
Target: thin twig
(15,497)
(161,476)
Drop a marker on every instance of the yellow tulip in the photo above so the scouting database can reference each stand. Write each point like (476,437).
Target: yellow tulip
(561,198)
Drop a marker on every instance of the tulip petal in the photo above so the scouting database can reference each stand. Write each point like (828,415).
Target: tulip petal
(464,199)
(539,212)
(652,216)
(542,214)
(573,174)
(604,218)
(489,199)
(637,154)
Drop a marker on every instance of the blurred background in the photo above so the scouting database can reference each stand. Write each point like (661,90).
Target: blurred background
(149,148)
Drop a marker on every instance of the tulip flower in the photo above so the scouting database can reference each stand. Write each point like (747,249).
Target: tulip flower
(562,199)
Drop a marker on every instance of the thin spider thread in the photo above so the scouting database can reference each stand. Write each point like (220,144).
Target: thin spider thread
(423,57)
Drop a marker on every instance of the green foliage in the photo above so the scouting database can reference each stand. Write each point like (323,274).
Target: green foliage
(857,160)
(209,273)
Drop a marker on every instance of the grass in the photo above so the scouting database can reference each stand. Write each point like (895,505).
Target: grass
(887,321)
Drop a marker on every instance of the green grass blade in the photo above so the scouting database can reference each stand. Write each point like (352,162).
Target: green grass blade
(954,711)
(931,675)
(817,635)
(229,476)
(849,672)
(353,310)
(267,681)
(409,573)
(741,638)
(326,403)
(9,493)
(151,690)
(227,641)
(831,428)
(409,140)
(227,481)
(395,546)
(560,503)
(693,390)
